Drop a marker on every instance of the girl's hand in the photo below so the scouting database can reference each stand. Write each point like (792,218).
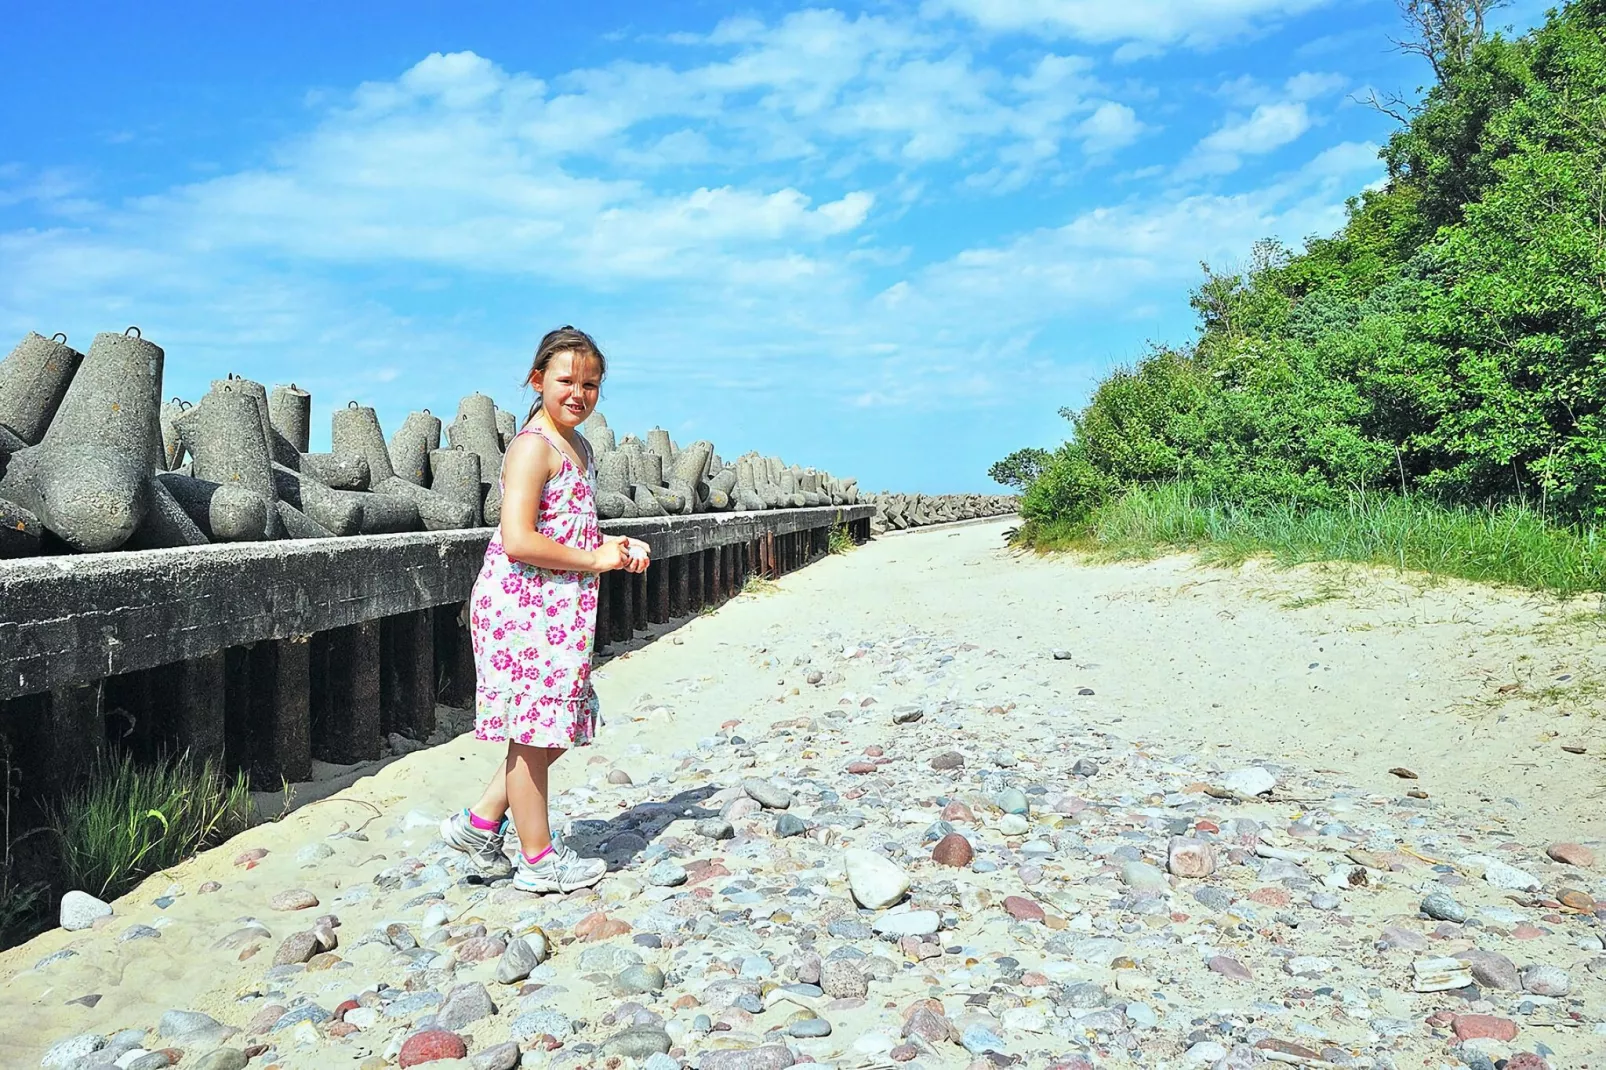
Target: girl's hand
(610,555)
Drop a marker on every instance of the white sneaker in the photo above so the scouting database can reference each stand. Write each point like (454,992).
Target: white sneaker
(483,846)
(559,870)
(510,835)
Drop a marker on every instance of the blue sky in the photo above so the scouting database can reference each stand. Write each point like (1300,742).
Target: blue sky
(890,240)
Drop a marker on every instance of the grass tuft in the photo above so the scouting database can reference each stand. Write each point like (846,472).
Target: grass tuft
(841,540)
(1512,545)
(130,820)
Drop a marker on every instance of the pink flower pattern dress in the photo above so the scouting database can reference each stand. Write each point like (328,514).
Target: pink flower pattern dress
(533,629)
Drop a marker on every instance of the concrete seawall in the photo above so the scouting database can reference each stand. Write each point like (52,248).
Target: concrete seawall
(269,655)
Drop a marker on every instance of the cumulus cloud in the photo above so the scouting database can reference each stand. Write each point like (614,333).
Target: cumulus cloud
(1148,24)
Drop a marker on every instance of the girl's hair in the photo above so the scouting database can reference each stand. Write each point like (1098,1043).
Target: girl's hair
(564,339)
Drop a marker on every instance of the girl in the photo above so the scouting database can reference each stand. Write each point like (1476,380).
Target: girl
(533,616)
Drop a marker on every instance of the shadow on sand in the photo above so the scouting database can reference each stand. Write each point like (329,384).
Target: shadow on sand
(623,837)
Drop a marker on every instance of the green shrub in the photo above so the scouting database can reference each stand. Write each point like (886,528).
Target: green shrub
(1445,345)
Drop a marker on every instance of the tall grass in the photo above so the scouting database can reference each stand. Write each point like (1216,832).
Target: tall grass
(1511,545)
(840,540)
(129,821)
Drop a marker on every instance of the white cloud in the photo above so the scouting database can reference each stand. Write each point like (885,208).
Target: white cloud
(1113,257)
(1267,128)
(1112,126)
(1147,24)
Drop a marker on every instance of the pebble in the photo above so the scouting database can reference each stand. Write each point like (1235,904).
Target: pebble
(1254,780)
(1545,980)
(767,794)
(953,850)
(523,955)
(464,1005)
(66,1053)
(503,1056)
(1142,875)
(876,881)
(767,1057)
(430,1045)
(221,1059)
(1571,854)
(1013,801)
(639,979)
(293,899)
(80,910)
(1441,906)
(666,874)
(637,1042)
(1188,857)
(192,1029)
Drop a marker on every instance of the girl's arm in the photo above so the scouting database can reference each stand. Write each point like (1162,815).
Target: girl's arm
(529,464)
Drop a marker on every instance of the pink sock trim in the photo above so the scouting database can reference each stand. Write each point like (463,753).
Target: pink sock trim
(484,823)
(533,859)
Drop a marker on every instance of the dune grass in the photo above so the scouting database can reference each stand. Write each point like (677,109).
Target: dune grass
(130,820)
(1511,545)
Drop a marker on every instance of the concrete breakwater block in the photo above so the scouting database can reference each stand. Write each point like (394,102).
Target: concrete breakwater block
(224,434)
(290,411)
(114,400)
(172,441)
(166,523)
(224,512)
(356,432)
(337,470)
(20,531)
(437,512)
(86,480)
(337,511)
(411,445)
(456,475)
(33,380)
(475,429)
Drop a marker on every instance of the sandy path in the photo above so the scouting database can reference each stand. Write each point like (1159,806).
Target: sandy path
(1317,669)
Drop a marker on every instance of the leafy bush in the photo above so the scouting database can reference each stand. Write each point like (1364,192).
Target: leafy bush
(130,821)
(1446,344)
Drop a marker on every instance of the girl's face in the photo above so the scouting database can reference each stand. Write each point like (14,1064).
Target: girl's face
(569,388)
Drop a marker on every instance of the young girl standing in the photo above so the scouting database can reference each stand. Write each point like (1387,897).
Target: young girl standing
(533,619)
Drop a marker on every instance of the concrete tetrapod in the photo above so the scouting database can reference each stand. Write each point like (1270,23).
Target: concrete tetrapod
(356,432)
(475,429)
(410,446)
(507,425)
(599,434)
(337,470)
(224,434)
(658,445)
(172,443)
(337,511)
(646,501)
(166,523)
(87,478)
(298,525)
(33,380)
(457,476)
(437,512)
(20,531)
(280,449)
(224,513)
(290,411)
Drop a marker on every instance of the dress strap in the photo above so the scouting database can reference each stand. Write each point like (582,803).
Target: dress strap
(537,429)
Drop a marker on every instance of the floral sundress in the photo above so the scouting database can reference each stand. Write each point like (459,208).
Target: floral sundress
(533,629)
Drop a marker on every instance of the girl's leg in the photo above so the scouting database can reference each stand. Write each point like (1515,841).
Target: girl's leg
(526,776)
(493,804)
